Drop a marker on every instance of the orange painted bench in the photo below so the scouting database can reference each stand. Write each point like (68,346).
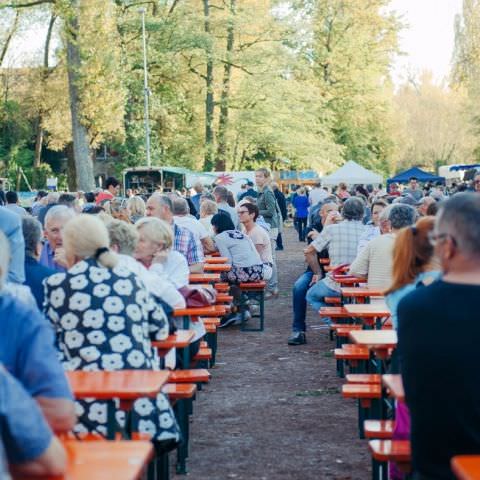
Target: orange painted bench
(213,267)
(382,429)
(216,260)
(365,378)
(397,451)
(466,467)
(204,277)
(195,375)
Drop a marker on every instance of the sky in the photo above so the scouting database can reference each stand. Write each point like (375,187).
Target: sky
(428,40)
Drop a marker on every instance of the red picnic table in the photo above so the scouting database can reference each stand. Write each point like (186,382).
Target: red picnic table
(216,260)
(204,277)
(466,467)
(368,312)
(362,292)
(126,385)
(379,342)
(394,385)
(213,267)
(98,460)
(181,340)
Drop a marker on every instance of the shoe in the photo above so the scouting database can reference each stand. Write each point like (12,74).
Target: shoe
(227,321)
(271,294)
(297,338)
(279,249)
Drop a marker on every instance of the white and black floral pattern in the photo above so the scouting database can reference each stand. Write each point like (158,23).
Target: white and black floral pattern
(104,320)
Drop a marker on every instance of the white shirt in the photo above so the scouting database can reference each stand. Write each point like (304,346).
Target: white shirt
(317,195)
(155,281)
(175,268)
(13,207)
(192,224)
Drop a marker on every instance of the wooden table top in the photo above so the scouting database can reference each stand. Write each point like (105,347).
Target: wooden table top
(179,339)
(394,384)
(99,460)
(211,311)
(466,467)
(122,384)
(216,260)
(204,277)
(362,292)
(213,267)
(347,279)
(375,339)
(367,310)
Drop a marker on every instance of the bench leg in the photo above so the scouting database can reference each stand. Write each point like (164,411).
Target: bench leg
(182,449)
(260,298)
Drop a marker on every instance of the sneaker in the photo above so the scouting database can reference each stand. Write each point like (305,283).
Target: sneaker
(297,338)
(271,294)
(227,321)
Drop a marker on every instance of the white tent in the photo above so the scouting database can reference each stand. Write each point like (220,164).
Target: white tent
(352,173)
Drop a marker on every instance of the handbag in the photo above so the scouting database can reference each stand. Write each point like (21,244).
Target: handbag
(196,296)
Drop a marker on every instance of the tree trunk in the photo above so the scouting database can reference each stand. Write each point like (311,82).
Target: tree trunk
(81,147)
(221,162)
(71,177)
(209,99)
(10,34)
(40,133)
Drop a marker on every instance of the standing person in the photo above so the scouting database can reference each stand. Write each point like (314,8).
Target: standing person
(112,189)
(413,189)
(317,194)
(439,360)
(300,203)
(12,204)
(195,199)
(11,226)
(282,205)
(342,191)
(249,191)
(268,209)
(39,202)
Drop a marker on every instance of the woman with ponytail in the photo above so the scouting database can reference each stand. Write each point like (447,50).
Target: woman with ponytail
(104,319)
(414,263)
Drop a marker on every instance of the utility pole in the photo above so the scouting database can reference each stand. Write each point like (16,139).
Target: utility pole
(146,91)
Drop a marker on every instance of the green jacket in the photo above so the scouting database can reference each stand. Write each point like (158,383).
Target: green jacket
(267,204)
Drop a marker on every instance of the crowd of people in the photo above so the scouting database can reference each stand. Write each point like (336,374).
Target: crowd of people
(89,280)
(421,248)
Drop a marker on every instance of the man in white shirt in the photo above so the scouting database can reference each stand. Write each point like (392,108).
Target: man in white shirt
(12,204)
(182,217)
(317,194)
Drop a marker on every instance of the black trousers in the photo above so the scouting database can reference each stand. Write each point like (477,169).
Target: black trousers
(301,226)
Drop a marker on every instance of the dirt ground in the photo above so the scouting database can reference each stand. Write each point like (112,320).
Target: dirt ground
(274,412)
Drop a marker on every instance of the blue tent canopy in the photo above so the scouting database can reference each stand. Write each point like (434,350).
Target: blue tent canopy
(417,173)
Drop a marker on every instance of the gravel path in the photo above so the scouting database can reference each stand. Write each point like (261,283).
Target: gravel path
(274,412)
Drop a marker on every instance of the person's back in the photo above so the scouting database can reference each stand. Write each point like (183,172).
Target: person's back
(262,243)
(439,334)
(238,247)
(439,337)
(301,206)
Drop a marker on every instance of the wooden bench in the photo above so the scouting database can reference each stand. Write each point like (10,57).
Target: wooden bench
(365,378)
(181,395)
(333,300)
(203,357)
(253,291)
(369,397)
(384,451)
(382,429)
(211,327)
(194,375)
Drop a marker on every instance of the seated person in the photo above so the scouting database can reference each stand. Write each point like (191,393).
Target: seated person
(27,351)
(374,262)
(105,319)
(29,445)
(438,338)
(35,273)
(11,226)
(53,254)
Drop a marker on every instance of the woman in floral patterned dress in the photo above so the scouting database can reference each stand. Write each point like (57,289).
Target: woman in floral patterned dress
(104,319)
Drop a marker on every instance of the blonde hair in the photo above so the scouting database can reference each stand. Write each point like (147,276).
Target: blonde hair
(123,235)
(4,258)
(136,206)
(84,235)
(157,231)
(208,207)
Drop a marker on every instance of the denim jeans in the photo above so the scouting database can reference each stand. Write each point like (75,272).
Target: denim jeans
(299,292)
(273,282)
(316,296)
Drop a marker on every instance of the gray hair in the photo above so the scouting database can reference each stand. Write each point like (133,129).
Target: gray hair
(59,212)
(385,213)
(180,206)
(207,196)
(221,193)
(402,215)
(4,258)
(163,199)
(354,209)
(123,235)
(208,207)
(32,233)
(459,217)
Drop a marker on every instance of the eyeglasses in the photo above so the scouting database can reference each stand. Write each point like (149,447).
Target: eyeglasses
(435,238)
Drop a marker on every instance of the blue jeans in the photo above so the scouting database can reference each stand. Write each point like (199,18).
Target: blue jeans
(316,296)
(299,292)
